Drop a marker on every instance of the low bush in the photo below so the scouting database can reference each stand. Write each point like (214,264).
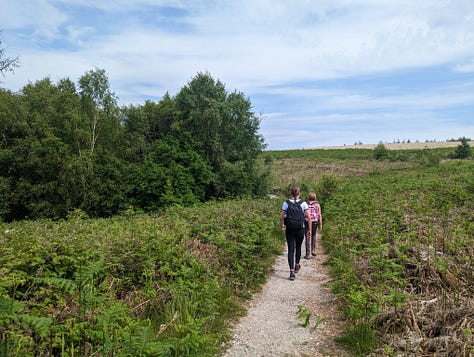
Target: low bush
(401,254)
(133,285)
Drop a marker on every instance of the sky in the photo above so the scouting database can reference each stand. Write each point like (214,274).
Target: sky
(317,72)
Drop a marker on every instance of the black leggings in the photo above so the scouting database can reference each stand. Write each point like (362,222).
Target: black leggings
(294,239)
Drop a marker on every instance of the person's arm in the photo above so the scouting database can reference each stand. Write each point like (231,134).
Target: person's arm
(282,220)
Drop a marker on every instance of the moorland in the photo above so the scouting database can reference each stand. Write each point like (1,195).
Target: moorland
(398,231)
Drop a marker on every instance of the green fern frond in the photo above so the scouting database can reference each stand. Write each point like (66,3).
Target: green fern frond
(40,325)
(143,343)
(86,273)
(61,284)
(9,308)
(304,315)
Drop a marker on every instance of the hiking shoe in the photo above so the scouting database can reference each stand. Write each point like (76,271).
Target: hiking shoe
(297,268)
(292,275)
(313,254)
(307,256)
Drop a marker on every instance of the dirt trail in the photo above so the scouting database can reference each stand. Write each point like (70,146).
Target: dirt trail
(271,326)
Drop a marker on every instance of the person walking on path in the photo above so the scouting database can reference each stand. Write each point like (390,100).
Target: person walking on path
(316,225)
(292,221)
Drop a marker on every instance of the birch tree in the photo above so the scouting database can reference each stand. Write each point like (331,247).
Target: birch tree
(99,104)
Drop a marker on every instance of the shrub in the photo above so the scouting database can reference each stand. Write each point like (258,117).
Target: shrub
(380,152)
(429,158)
(327,187)
(463,150)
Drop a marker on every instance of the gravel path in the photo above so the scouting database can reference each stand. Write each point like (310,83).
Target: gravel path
(271,327)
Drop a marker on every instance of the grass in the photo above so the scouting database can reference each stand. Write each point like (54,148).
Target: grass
(307,167)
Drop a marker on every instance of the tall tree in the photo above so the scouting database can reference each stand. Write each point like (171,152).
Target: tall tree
(71,125)
(134,142)
(223,129)
(463,150)
(100,105)
(202,105)
(144,125)
(99,171)
(239,131)
(33,155)
(12,127)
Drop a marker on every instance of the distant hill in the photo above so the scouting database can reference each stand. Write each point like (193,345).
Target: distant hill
(403,146)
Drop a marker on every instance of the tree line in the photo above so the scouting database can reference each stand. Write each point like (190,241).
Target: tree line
(69,147)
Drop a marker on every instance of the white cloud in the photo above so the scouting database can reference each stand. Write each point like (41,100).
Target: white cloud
(274,41)
(40,15)
(467,67)
(263,47)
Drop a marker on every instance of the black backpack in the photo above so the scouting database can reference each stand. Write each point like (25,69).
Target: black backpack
(294,220)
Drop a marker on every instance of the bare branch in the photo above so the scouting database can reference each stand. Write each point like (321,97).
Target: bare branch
(7,64)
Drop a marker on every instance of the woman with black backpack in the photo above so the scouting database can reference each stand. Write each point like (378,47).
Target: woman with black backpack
(292,221)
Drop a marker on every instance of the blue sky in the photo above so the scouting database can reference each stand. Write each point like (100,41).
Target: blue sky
(318,73)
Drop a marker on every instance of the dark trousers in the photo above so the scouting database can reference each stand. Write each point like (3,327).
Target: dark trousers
(294,239)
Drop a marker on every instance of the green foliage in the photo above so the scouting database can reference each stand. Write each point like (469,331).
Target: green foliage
(94,184)
(463,150)
(42,136)
(396,237)
(327,187)
(381,152)
(429,158)
(99,105)
(304,315)
(172,173)
(398,234)
(64,148)
(360,339)
(133,285)
(224,130)
(329,155)
(202,106)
